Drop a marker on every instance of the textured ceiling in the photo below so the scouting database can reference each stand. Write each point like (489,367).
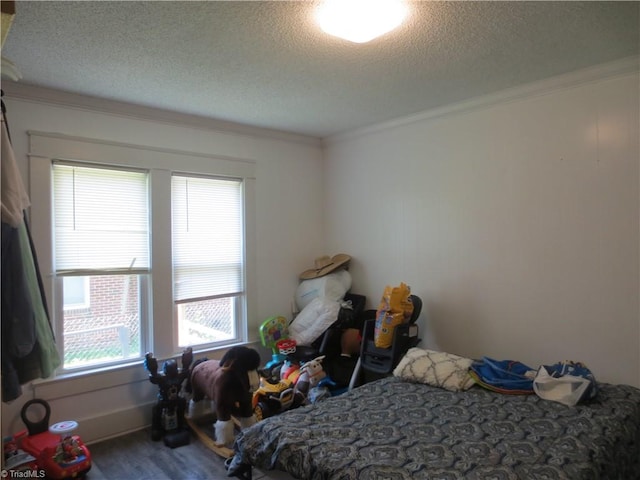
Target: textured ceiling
(267,64)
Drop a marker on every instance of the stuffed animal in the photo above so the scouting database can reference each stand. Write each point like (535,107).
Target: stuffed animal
(315,381)
(290,371)
(229,383)
(314,370)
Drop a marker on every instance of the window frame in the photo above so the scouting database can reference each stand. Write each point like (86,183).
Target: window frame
(44,148)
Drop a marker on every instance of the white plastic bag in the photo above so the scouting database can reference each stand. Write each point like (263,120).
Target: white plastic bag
(333,286)
(313,320)
(566,389)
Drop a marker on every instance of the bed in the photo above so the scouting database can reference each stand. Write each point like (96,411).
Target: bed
(394,429)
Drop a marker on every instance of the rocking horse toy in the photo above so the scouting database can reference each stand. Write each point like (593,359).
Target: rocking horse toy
(229,383)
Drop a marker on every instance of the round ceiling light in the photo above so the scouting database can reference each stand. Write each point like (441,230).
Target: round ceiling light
(360,21)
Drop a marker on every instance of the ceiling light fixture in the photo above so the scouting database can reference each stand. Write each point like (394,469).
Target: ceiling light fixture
(360,21)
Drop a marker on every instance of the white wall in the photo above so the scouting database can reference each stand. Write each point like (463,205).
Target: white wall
(516,222)
(289,234)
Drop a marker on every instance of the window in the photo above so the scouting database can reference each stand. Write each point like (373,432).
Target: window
(101,233)
(207,257)
(141,257)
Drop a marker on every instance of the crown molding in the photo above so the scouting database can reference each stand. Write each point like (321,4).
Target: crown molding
(596,73)
(44,95)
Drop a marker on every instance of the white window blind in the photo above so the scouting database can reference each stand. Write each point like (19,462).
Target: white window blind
(207,237)
(101,219)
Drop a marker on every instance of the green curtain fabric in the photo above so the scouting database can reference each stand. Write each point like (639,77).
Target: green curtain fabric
(49,357)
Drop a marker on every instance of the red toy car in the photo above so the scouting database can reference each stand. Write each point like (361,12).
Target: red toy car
(58,453)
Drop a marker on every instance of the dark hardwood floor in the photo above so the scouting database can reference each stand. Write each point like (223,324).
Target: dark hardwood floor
(135,456)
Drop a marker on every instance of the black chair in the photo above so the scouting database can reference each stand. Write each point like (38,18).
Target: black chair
(382,361)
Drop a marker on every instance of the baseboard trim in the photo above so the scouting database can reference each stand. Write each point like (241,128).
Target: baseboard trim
(116,423)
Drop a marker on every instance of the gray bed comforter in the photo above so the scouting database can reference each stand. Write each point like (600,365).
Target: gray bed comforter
(392,429)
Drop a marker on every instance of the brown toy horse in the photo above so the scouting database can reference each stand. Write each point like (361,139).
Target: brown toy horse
(229,383)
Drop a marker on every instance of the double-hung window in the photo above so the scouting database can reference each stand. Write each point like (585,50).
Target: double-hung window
(142,249)
(102,261)
(208,271)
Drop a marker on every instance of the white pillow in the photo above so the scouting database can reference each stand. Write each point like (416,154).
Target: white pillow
(440,369)
(313,320)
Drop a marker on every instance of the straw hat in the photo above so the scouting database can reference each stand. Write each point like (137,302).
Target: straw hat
(325,265)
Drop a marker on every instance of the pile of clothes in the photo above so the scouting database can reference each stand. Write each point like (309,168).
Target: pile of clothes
(566,382)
